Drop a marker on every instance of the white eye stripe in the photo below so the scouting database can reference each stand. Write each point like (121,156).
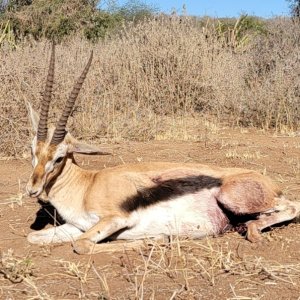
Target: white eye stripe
(60,153)
(34,161)
(49,166)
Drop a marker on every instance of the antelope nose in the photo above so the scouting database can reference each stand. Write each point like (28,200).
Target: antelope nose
(32,192)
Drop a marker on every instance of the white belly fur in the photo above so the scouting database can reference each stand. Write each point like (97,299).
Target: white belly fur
(81,219)
(188,215)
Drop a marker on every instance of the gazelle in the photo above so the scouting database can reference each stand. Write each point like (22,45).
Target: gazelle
(137,201)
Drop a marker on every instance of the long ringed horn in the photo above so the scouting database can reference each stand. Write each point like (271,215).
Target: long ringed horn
(42,127)
(60,130)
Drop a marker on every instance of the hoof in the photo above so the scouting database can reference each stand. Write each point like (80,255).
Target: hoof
(254,237)
(83,246)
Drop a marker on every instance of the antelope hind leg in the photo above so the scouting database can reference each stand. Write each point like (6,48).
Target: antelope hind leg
(86,246)
(285,210)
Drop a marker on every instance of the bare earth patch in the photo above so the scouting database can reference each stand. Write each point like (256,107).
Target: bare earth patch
(225,267)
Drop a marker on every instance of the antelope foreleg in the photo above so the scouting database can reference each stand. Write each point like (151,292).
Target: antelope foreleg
(87,242)
(58,234)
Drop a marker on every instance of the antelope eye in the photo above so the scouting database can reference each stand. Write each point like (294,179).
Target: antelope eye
(59,160)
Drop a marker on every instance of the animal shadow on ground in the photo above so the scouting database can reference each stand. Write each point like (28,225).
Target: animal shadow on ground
(46,215)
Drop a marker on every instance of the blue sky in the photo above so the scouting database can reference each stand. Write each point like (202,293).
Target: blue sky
(220,8)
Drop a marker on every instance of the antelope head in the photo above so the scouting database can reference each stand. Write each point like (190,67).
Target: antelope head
(51,148)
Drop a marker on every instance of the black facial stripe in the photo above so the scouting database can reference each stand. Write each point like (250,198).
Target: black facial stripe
(169,189)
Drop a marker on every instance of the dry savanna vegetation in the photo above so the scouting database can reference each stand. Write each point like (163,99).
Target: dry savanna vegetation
(167,89)
(158,80)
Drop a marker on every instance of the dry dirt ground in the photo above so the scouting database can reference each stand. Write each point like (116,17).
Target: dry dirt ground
(225,267)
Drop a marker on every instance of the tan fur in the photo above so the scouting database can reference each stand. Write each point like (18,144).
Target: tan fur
(248,193)
(102,193)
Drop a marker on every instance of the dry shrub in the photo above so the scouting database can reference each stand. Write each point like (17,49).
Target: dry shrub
(273,69)
(153,80)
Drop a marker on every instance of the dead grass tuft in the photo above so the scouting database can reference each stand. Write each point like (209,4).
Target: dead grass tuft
(77,270)
(15,269)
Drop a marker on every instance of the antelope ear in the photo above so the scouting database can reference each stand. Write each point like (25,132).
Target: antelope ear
(74,146)
(33,116)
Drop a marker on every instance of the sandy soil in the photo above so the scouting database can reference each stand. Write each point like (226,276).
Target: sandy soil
(225,267)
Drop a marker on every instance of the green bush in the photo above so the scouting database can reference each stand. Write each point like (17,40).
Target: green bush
(58,19)
(101,24)
(135,10)
(237,32)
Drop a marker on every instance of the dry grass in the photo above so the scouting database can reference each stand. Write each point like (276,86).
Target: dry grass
(21,270)
(15,269)
(156,81)
(181,269)
(185,263)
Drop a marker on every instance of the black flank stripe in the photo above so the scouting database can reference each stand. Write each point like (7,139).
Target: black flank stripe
(169,189)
